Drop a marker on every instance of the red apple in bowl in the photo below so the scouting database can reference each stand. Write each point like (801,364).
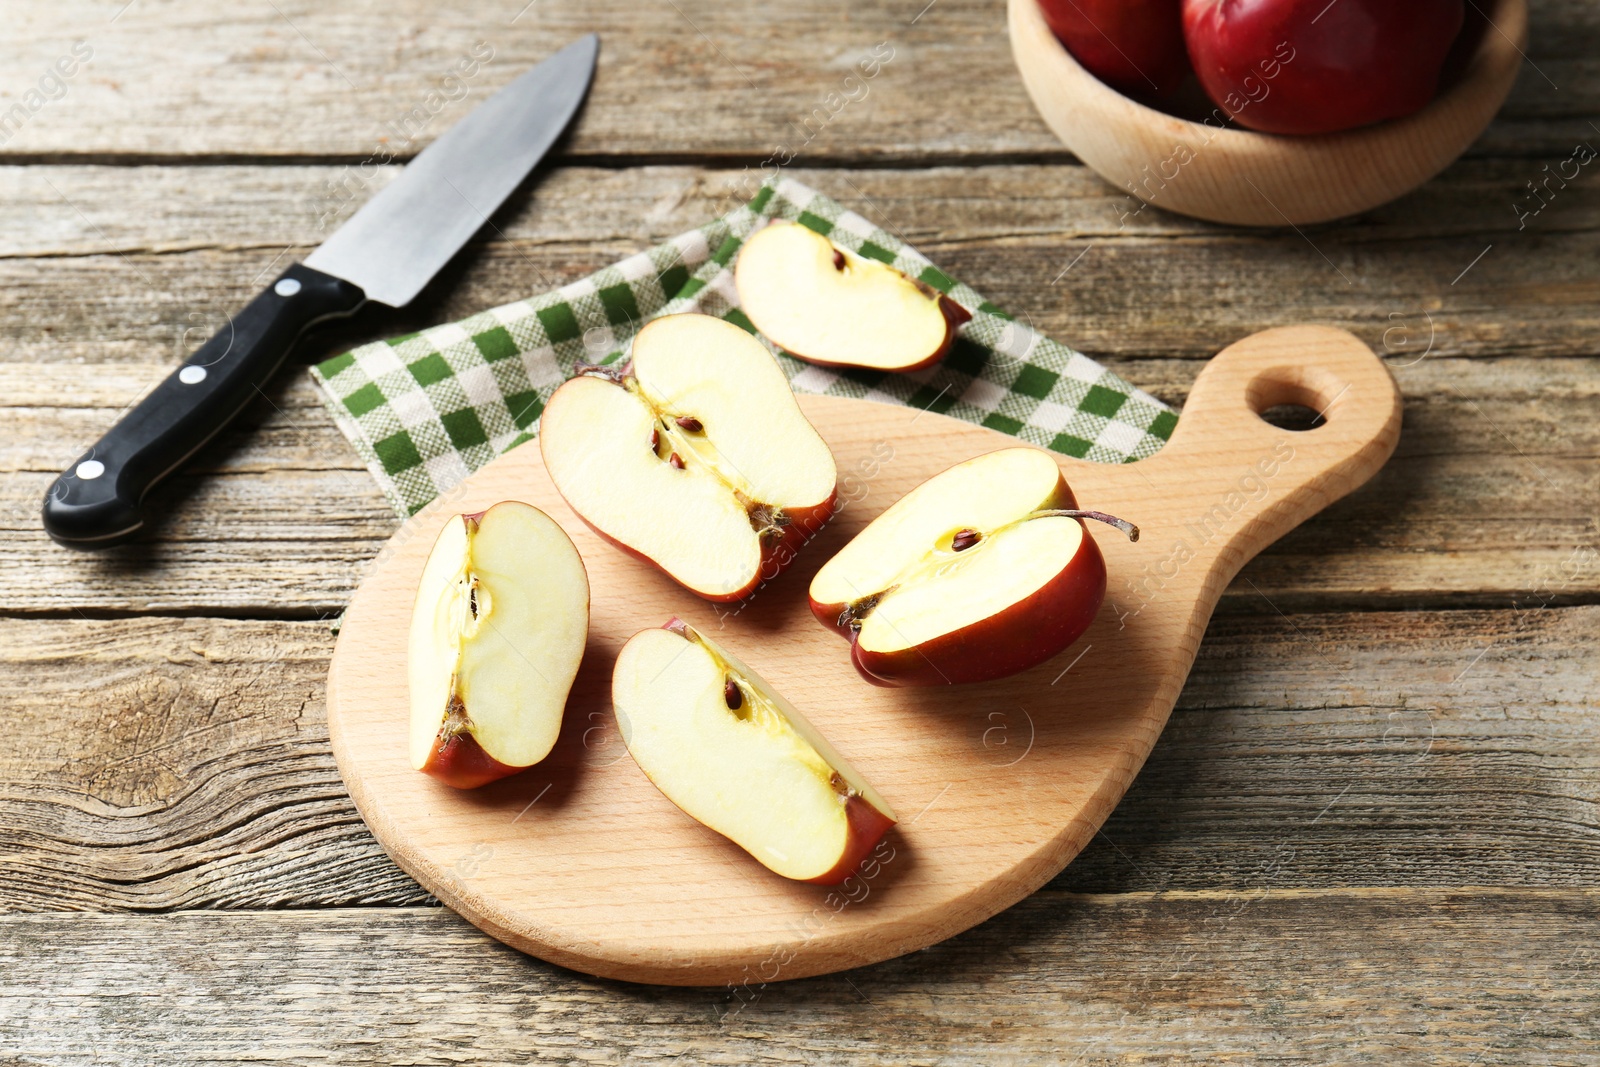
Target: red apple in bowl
(1311,66)
(1134,46)
(827,305)
(733,754)
(497,632)
(982,571)
(695,457)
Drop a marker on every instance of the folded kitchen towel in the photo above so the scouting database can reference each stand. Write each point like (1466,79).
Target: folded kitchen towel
(426,410)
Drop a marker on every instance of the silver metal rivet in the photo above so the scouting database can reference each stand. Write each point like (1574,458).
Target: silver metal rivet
(286,287)
(90,469)
(192,375)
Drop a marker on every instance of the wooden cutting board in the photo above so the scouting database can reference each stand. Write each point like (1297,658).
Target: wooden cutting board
(580,861)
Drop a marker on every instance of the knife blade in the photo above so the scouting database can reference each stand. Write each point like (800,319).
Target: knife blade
(386,253)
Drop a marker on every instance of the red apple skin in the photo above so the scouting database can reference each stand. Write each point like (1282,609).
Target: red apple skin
(867,827)
(1022,636)
(1308,66)
(1134,46)
(461,762)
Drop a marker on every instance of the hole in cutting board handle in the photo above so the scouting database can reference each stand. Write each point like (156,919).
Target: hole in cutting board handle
(1298,399)
(1296,418)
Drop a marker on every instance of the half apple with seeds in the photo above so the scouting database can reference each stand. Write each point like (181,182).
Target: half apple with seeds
(828,305)
(733,754)
(497,632)
(695,457)
(980,572)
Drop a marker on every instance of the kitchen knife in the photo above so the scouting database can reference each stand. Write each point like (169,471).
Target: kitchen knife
(386,253)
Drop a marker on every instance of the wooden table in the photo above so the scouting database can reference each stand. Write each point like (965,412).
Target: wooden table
(1371,832)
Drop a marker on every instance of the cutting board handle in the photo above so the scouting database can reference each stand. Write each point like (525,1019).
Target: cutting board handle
(1236,482)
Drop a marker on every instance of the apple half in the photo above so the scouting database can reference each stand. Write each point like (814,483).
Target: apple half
(695,457)
(497,632)
(825,304)
(733,754)
(982,571)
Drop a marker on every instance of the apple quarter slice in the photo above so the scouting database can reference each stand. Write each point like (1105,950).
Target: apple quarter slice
(695,458)
(982,571)
(825,304)
(732,753)
(497,632)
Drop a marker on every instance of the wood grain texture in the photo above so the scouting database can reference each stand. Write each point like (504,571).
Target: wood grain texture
(733,79)
(106,264)
(171,764)
(1250,179)
(606,878)
(1338,978)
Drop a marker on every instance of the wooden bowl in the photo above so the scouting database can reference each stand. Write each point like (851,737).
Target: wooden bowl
(1260,179)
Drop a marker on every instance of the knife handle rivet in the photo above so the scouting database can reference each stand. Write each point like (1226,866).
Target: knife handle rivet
(192,375)
(89,469)
(286,287)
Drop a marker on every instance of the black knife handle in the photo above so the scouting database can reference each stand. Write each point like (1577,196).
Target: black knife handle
(95,502)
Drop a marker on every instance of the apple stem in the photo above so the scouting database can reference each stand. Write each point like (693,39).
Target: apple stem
(598,370)
(1110,520)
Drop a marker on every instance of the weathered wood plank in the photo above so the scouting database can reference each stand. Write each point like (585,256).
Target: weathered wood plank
(111,263)
(1354,977)
(161,763)
(738,79)
(1489,501)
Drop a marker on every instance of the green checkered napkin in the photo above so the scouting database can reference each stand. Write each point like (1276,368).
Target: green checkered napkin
(428,409)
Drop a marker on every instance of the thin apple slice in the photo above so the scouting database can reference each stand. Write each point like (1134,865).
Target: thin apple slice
(828,305)
(497,632)
(982,571)
(695,458)
(732,753)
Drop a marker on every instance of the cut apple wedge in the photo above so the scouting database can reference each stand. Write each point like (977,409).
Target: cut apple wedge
(497,631)
(726,748)
(695,457)
(982,571)
(827,305)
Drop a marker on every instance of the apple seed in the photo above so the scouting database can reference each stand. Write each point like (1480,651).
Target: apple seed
(964,540)
(731,695)
(655,439)
(838,260)
(689,423)
(676,461)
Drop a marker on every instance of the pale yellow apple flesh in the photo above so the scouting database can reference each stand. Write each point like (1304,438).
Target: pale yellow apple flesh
(497,632)
(698,458)
(829,305)
(759,773)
